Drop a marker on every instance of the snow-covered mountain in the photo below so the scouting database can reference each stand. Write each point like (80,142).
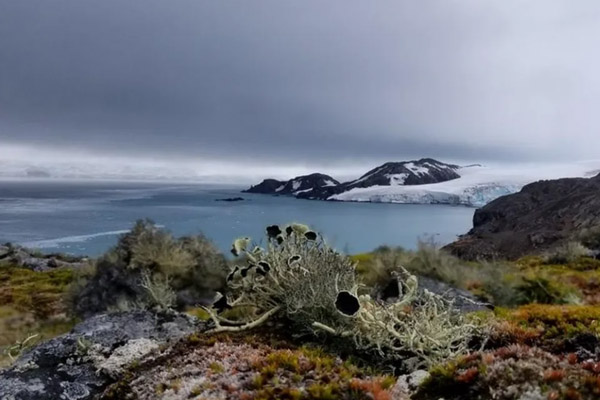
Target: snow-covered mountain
(423,171)
(416,172)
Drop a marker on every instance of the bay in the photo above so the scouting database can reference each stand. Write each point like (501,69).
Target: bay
(85,218)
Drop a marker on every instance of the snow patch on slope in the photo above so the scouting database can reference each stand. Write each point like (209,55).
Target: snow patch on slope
(397,179)
(415,169)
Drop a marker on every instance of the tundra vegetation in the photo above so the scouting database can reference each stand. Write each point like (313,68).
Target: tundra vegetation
(295,319)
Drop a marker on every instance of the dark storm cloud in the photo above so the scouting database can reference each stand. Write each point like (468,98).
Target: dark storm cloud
(311,80)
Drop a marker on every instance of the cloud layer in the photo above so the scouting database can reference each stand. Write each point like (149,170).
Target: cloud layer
(302,82)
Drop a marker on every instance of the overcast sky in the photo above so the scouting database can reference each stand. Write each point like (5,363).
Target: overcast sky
(301,83)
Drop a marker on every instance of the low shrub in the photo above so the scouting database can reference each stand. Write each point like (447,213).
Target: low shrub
(375,270)
(539,288)
(566,253)
(431,261)
(150,268)
(494,282)
(590,238)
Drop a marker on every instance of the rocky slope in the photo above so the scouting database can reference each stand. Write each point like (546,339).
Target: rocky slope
(543,214)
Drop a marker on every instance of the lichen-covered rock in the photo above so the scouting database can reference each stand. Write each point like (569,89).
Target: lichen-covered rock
(80,364)
(409,383)
(461,299)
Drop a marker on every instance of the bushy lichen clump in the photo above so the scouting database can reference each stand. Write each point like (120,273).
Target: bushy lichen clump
(297,274)
(300,278)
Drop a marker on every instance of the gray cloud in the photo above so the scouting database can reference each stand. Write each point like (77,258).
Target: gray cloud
(306,80)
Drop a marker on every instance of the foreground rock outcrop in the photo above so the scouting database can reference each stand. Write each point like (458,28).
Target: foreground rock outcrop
(542,215)
(80,364)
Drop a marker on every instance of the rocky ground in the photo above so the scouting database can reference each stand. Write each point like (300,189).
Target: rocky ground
(144,355)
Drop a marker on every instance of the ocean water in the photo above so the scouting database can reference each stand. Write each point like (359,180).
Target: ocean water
(86,218)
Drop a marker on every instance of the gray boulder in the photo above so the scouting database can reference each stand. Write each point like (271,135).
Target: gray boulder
(461,299)
(78,365)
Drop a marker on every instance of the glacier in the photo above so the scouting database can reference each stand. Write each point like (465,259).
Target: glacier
(477,186)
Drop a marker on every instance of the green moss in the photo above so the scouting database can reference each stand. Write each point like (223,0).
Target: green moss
(216,367)
(199,313)
(328,391)
(41,293)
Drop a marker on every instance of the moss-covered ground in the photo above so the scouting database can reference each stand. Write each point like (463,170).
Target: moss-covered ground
(32,303)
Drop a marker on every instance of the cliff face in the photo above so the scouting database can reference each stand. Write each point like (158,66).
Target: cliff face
(543,214)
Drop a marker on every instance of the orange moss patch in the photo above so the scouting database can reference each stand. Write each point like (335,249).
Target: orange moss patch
(554,328)
(513,372)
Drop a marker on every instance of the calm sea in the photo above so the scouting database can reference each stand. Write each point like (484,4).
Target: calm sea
(86,218)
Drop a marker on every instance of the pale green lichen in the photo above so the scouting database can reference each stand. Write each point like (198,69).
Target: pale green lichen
(302,279)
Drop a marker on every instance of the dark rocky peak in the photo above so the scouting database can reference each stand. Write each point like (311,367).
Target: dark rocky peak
(297,185)
(267,186)
(307,182)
